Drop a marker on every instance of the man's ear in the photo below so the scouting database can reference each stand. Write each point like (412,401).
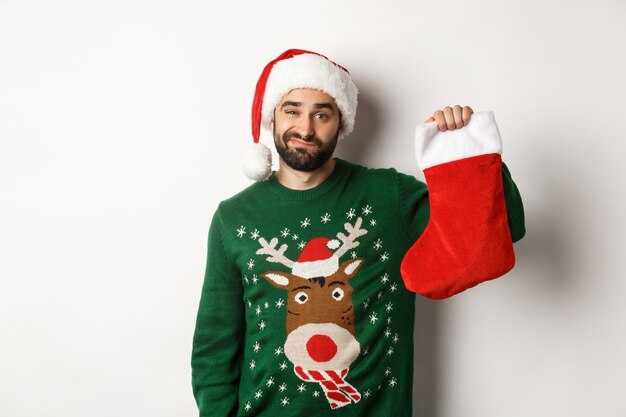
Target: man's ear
(340,122)
(273,118)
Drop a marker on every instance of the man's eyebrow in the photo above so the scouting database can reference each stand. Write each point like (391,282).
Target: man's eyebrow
(325,105)
(290,103)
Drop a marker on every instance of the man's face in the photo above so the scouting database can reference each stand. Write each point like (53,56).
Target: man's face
(306,127)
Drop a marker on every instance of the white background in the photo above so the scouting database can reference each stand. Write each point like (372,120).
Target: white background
(121,126)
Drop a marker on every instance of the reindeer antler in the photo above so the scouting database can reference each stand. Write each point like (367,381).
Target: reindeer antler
(275,255)
(349,242)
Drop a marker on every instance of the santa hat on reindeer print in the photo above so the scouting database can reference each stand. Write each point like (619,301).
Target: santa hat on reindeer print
(316,259)
(296,68)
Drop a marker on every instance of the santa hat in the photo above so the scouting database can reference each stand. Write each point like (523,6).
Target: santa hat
(316,259)
(296,68)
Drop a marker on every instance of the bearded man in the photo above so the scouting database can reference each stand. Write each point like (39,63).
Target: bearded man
(308,302)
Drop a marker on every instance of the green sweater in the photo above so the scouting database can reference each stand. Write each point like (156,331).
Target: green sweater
(254,309)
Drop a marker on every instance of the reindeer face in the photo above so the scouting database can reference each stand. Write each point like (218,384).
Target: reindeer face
(320,317)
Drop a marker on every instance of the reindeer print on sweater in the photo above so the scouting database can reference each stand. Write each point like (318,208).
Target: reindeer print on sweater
(314,290)
(321,342)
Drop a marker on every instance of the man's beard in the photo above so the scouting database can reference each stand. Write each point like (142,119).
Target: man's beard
(304,159)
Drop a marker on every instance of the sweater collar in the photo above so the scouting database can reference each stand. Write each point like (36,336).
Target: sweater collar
(339,172)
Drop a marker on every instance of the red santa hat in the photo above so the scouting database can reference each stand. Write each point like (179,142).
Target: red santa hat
(296,68)
(316,259)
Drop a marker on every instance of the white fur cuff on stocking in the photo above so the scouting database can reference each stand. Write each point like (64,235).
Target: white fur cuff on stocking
(479,137)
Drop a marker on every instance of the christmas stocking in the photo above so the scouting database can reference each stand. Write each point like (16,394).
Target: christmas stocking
(467,239)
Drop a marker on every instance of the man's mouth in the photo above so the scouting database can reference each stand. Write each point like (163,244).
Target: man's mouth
(299,142)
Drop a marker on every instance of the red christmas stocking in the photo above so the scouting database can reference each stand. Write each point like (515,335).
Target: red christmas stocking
(467,239)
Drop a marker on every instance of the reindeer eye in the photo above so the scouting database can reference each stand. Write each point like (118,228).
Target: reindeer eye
(302,297)
(338,294)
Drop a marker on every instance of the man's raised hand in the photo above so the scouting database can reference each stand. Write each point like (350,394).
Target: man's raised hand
(451,118)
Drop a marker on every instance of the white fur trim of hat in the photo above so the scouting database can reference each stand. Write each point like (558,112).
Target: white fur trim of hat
(296,68)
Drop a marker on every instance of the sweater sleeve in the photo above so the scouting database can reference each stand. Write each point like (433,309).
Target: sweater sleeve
(415,205)
(220,326)
(514,206)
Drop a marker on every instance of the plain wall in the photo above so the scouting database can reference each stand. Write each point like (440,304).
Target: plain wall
(121,129)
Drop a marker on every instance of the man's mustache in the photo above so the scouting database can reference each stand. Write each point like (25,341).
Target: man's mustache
(311,139)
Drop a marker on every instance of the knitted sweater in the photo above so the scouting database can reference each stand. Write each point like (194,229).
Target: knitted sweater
(286,326)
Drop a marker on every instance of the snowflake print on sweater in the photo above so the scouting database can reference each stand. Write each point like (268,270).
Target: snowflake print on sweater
(321,347)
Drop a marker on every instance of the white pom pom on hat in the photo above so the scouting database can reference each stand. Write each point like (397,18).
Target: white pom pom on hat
(296,68)
(257,162)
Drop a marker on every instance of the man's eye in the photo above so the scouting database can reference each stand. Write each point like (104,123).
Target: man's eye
(291,112)
(321,116)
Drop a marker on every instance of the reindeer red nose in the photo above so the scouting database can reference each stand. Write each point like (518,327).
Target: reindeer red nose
(321,348)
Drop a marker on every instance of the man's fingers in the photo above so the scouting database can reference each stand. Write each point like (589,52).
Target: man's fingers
(467,113)
(451,118)
(457,111)
(449,115)
(441,121)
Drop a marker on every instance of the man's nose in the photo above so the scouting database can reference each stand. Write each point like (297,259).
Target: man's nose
(304,127)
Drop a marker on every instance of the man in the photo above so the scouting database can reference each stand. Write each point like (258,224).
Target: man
(304,310)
